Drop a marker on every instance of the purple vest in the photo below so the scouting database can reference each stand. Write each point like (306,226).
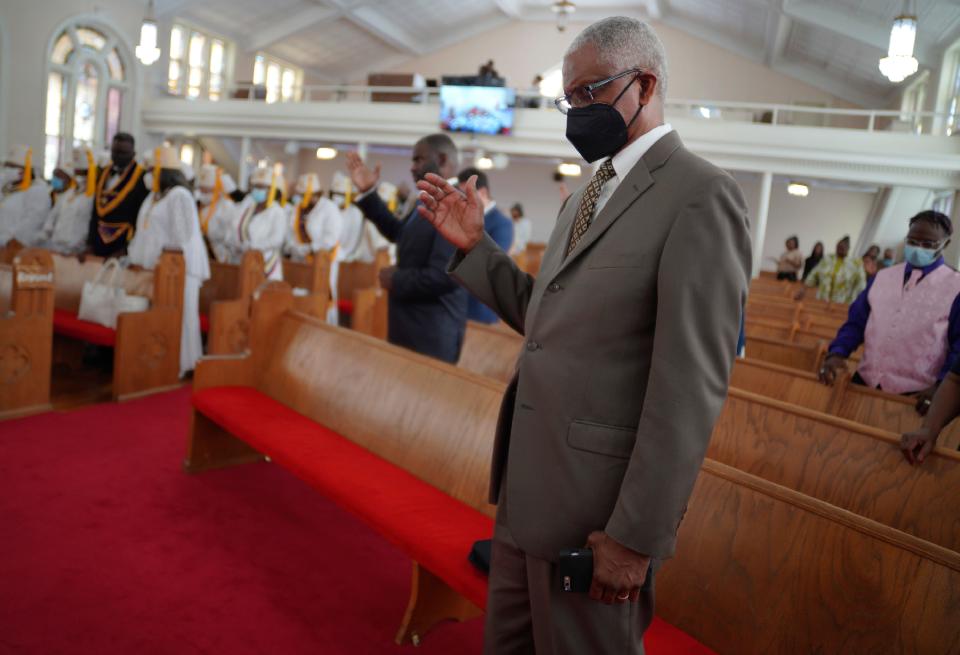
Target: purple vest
(905,342)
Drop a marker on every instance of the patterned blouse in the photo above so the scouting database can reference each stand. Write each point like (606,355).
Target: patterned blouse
(838,280)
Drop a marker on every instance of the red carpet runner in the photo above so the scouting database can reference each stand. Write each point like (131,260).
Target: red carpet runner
(107,547)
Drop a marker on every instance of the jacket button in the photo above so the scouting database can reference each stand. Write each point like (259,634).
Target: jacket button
(533,345)
(554,288)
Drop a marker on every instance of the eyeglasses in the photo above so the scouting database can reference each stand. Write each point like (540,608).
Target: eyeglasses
(584,95)
(928,245)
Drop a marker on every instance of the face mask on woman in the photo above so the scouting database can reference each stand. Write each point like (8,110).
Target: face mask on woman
(57,184)
(259,195)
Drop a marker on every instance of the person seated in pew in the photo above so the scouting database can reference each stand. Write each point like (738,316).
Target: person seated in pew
(314,222)
(917,445)
(263,222)
(908,319)
(25,201)
(68,223)
(168,219)
(500,229)
(427,310)
(811,262)
(838,277)
(791,261)
(219,216)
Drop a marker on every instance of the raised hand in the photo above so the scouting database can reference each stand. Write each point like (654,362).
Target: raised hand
(360,174)
(457,214)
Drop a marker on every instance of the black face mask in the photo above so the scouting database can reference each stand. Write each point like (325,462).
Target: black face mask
(598,130)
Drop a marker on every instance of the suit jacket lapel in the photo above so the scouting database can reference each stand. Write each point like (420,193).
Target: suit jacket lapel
(636,183)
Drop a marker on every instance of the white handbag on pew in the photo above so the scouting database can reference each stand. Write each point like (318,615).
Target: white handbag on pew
(103,297)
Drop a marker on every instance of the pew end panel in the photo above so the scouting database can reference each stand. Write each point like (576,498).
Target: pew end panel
(762,569)
(490,351)
(212,447)
(26,335)
(146,356)
(370,307)
(229,327)
(431,602)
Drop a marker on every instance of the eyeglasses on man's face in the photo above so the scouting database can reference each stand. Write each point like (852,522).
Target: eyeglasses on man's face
(586,94)
(927,245)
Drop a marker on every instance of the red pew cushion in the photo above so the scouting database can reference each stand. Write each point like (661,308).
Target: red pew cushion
(204,323)
(345,306)
(67,324)
(431,527)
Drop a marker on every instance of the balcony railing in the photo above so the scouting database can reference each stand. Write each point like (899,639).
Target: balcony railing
(870,120)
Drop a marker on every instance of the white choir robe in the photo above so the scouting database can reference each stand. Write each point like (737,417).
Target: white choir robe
(359,242)
(265,231)
(222,231)
(323,226)
(171,221)
(68,224)
(24,213)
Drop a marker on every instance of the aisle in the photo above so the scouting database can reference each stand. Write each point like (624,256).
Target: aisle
(108,547)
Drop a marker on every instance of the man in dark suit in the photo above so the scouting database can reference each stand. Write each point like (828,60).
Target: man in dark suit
(630,327)
(500,229)
(427,310)
(119,194)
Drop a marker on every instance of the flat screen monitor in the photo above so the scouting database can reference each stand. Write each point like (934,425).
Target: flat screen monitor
(477,109)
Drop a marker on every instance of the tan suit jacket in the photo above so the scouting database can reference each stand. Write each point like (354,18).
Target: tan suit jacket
(629,345)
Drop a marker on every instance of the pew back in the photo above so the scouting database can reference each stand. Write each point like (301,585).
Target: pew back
(846,464)
(432,419)
(799,356)
(490,351)
(71,274)
(762,569)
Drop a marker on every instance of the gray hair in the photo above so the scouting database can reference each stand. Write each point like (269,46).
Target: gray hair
(624,43)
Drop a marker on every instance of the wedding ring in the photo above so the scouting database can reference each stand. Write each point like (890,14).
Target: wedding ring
(624,596)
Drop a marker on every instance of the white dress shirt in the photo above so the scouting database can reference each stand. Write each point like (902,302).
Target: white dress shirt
(626,159)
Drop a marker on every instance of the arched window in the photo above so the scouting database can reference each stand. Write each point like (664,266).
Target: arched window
(87,92)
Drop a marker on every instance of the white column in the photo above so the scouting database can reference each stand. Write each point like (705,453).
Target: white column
(244,164)
(760,224)
(362,150)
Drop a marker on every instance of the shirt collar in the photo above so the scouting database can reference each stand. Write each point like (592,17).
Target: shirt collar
(627,158)
(926,269)
(489,208)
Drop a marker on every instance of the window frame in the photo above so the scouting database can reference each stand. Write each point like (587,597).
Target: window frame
(190,29)
(69,71)
(283,67)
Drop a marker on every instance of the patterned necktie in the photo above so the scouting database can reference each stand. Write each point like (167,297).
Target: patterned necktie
(588,203)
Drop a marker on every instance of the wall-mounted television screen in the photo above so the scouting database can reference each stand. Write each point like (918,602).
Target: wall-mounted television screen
(477,109)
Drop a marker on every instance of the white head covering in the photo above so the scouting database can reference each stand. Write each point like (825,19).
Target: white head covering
(188,172)
(307,181)
(81,159)
(229,186)
(387,192)
(262,175)
(170,158)
(208,176)
(341,183)
(19,154)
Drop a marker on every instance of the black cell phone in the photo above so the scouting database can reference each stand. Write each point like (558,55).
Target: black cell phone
(576,570)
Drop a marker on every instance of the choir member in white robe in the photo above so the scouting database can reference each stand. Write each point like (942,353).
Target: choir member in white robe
(25,202)
(219,215)
(68,223)
(315,222)
(168,219)
(263,222)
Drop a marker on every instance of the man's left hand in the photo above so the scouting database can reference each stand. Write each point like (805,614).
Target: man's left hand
(386,277)
(925,399)
(618,572)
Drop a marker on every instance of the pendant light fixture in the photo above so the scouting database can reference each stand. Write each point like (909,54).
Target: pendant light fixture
(563,9)
(899,64)
(147,50)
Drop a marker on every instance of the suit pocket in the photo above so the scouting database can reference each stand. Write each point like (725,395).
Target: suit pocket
(601,439)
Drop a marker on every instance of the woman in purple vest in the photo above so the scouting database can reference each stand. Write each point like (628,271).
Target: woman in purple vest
(908,319)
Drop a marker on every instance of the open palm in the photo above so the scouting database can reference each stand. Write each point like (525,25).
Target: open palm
(456,213)
(363,177)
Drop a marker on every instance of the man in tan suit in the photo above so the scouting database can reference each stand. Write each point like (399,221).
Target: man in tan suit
(631,329)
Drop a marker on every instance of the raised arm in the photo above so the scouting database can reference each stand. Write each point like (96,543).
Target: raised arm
(365,180)
(480,264)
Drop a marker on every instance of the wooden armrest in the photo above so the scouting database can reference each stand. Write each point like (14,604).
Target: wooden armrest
(223,370)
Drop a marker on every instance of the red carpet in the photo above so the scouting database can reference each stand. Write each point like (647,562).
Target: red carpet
(107,547)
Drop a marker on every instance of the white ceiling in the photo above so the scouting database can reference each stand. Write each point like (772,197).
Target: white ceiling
(831,44)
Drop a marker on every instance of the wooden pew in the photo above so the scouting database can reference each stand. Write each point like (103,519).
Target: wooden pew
(776,351)
(26,333)
(360,297)
(763,569)
(229,311)
(146,344)
(534,258)
(847,464)
(856,403)
(314,278)
(490,351)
